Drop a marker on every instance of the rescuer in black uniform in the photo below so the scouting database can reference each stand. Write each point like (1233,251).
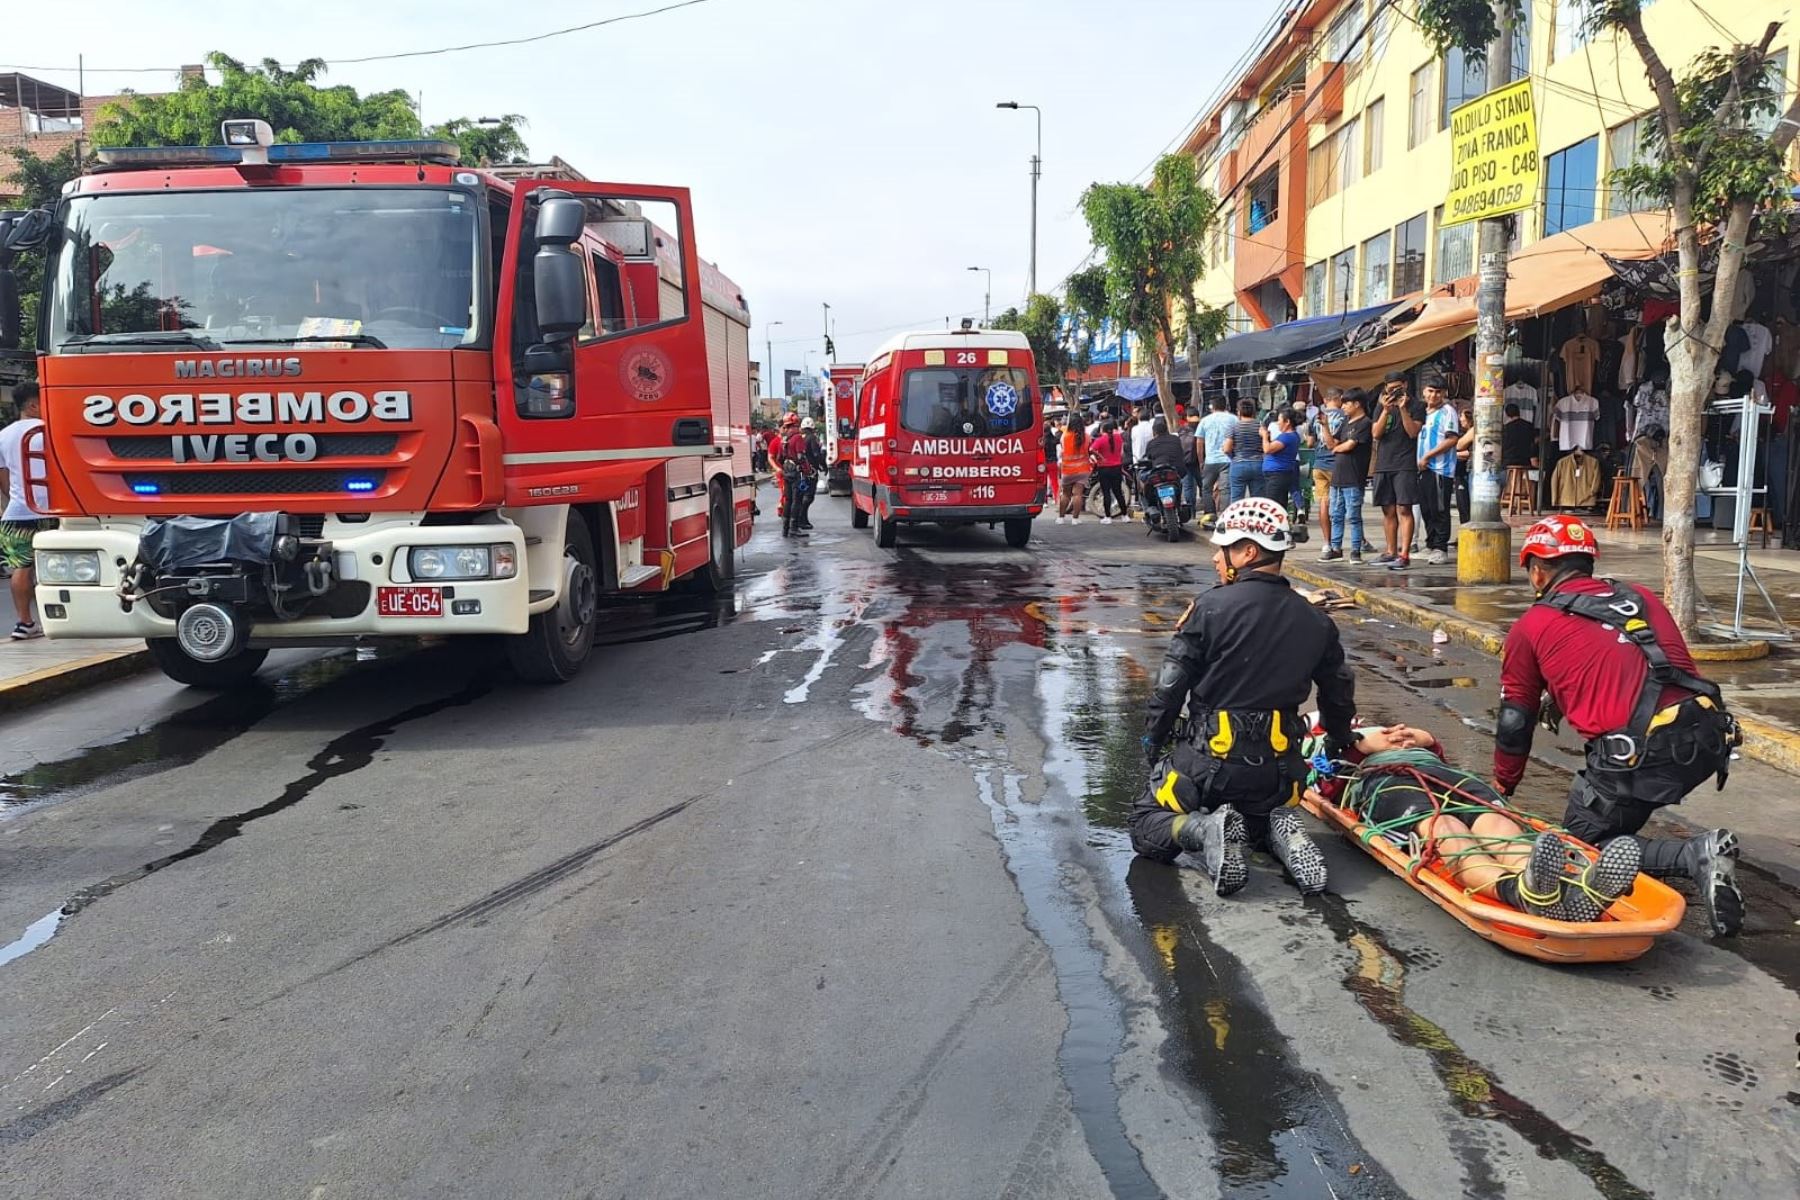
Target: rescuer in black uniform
(1243,662)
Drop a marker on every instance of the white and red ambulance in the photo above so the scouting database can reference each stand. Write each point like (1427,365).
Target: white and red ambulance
(948,433)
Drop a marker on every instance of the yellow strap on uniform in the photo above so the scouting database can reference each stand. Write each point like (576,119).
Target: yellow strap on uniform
(1277,740)
(1665,717)
(1165,795)
(1635,624)
(1220,743)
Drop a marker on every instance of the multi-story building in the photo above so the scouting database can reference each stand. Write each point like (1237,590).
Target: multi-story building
(44,119)
(1330,149)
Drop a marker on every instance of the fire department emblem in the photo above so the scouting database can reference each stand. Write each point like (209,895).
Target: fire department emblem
(1002,399)
(646,374)
(844,389)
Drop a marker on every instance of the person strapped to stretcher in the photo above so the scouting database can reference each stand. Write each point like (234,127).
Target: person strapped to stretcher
(1400,786)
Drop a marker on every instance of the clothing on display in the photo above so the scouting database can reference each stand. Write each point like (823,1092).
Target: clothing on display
(1581,357)
(1576,481)
(1525,396)
(1576,416)
(1650,411)
(1761,341)
(1629,366)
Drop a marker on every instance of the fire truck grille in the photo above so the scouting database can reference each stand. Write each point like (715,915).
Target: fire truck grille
(331,445)
(256,483)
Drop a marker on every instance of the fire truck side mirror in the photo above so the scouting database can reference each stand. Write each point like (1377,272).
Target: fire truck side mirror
(558,284)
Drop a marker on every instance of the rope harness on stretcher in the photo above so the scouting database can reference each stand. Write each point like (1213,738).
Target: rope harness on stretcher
(1447,799)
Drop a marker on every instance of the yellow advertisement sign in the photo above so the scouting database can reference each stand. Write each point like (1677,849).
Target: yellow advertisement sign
(1493,155)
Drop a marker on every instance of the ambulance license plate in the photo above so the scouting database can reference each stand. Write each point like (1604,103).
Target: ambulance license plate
(409,602)
(937,497)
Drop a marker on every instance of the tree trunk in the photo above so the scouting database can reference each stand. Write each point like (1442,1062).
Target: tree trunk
(1690,380)
(1162,355)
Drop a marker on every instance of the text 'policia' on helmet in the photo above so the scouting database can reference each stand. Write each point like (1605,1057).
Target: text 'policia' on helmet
(1256,519)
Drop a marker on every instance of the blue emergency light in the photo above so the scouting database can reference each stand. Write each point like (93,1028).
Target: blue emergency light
(146,489)
(359,485)
(391,150)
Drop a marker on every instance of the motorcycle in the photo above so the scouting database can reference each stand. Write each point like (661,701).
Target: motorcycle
(1164,512)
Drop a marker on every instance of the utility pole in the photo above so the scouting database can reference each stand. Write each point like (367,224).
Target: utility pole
(987,298)
(825,325)
(769,349)
(1484,545)
(1037,170)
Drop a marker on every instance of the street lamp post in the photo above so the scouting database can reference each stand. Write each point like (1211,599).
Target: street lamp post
(769,349)
(1037,169)
(987,297)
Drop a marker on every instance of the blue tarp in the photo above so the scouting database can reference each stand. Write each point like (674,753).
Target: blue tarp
(1136,388)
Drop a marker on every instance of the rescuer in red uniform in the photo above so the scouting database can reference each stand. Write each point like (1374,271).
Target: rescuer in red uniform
(1619,670)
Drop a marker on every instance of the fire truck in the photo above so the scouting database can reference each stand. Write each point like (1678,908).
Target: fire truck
(309,394)
(840,426)
(947,434)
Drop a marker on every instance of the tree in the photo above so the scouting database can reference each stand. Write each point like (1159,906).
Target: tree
(1718,163)
(1152,236)
(296,107)
(1041,323)
(486,145)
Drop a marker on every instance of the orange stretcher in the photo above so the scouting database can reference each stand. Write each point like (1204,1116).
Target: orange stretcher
(1629,926)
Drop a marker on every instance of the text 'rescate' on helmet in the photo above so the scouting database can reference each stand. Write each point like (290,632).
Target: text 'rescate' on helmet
(1257,519)
(1556,537)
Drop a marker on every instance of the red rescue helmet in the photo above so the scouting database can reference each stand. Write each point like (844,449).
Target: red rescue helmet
(1557,536)
(790,419)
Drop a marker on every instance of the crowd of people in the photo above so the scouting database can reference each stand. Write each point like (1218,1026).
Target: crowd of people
(1408,456)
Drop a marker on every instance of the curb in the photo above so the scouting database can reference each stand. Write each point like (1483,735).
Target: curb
(51,682)
(1771,744)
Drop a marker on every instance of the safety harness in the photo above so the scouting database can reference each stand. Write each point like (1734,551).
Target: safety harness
(1621,611)
(1245,737)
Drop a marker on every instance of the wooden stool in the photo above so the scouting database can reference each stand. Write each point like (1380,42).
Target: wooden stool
(1520,493)
(1760,523)
(1626,508)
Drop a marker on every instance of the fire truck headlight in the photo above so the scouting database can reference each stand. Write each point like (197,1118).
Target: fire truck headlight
(462,562)
(69,566)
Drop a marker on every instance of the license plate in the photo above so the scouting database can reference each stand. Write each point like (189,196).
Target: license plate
(937,497)
(1166,492)
(409,602)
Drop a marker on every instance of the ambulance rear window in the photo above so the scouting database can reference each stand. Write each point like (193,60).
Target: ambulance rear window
(967,401)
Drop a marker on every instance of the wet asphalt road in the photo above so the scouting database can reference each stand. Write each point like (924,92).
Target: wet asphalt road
(820,892)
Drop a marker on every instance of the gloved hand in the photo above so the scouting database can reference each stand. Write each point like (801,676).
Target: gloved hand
(1550,716)
(1152,749)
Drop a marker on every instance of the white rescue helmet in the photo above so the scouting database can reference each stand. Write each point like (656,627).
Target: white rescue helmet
(807,424)
(1257,519)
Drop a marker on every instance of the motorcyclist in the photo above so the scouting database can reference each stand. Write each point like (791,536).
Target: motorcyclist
(1164,450)
(1243,661)
(1618,669)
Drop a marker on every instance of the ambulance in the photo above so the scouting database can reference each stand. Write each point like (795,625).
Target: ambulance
(947,433)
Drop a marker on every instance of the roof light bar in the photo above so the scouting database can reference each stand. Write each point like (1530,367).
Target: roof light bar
(395,150)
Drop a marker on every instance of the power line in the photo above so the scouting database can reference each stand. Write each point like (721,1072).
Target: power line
(369,58)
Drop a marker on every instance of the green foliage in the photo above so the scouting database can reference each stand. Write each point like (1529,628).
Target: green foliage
(40,181)
(296,107)
(1153,236)
(486,145)
(1722,99)
(1041,323)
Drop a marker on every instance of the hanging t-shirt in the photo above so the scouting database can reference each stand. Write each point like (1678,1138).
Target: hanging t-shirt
(1440,424)
(1761,341)
(1580,356)
(1628,360)
(1526,397)
(1576,415)
(1652,412)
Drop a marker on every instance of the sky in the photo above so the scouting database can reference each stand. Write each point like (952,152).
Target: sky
(839,151)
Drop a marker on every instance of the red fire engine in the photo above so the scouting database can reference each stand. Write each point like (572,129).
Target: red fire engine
(306,394)
(946,433)
(840,426)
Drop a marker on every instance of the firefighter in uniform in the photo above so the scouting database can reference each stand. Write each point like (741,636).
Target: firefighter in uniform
(1245,658)
(1618,670)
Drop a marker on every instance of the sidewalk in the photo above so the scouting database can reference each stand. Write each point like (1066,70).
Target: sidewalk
(41,669)
(1763,691)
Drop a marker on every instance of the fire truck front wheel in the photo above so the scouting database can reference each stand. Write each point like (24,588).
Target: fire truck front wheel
(220,676)
(859,517)
(559,639)
(721,542)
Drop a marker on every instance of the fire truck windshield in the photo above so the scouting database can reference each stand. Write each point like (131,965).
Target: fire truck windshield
(966,401)
(393,267)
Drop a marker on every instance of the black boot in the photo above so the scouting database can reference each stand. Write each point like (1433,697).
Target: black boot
(1711,862)
(1295,850)
(1218,838)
